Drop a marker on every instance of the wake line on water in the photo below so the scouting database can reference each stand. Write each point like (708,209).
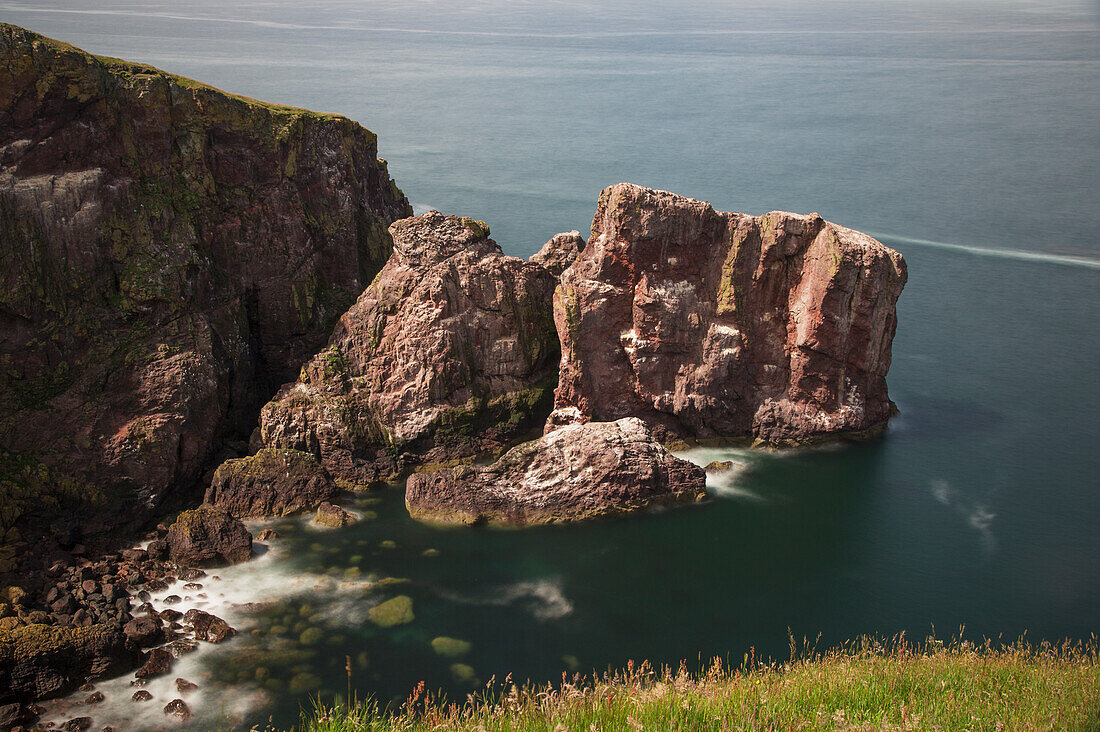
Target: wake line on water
(1018,254)
(530,34)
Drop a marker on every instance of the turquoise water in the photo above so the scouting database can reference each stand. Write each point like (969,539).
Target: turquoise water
(965,135)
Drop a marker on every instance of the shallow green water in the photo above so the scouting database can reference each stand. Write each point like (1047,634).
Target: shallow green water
(969,124)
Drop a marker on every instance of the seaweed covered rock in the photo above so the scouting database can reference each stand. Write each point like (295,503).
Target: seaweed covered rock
(332,516)
(450,352)
(271,483)
(172,253)
(208,536)
(42,661)
(560,252)
(577,472)
(718,325)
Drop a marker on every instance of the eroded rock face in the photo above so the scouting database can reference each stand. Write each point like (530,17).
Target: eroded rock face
(271,483)
(40,661)
(709,324)
(560,252)
(577,472)
(450,352)
(172,253)
(208,536)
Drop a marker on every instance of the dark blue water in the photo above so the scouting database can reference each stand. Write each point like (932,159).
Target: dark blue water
(966,135)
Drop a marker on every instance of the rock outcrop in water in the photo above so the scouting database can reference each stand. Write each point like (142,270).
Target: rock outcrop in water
(208,536)
(577,472)
(171,254)
(450,352)
(271,483)
(709,325)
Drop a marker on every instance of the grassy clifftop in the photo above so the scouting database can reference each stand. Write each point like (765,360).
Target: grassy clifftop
(862,686)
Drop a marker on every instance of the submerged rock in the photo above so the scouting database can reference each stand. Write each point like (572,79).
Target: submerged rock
(708,324)
(450,352)
(271,483)
(450,647)
(577,472)
(395,611)
(171,254)
(208,536)
(41,661)
(333,516)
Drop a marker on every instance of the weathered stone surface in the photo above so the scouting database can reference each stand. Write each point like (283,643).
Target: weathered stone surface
(209,627)
(577,472)
(333,516)
(208,536)
(145,631)
(271,483)
(560,252)
(450,352)
(716,325)
(42,661)
(158,663)
(171,253)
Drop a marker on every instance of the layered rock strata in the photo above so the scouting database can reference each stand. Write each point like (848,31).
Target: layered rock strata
(449,353)
(577,472)
(713,325)
(171,253)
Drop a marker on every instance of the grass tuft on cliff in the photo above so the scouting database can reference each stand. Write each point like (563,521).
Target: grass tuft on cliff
(864,685)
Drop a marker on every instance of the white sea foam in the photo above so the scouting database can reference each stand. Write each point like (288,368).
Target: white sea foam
(225,593)
(727,483)
(543,598)
(976,513)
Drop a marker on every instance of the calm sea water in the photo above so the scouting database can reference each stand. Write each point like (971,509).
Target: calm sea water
(966,135)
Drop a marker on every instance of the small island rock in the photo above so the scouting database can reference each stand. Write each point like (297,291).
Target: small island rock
(577,472)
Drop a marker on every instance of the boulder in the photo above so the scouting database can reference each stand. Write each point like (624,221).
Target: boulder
(158,662)
(271,483)
(42,661)
(714,325)
(333,516)
(449,353)
(559,253)
(144,631)
(579,471)
(208,536)
(209,627)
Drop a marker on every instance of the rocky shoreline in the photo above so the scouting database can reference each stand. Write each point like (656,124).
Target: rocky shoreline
(275,249)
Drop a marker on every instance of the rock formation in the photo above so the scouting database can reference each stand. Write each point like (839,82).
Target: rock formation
(38,661)
(579,471)
(450,352)
(561,251)
(710,325)
(270,483)
(172,253)
(208,536)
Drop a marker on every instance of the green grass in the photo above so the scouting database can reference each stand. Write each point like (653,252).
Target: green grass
(865,685)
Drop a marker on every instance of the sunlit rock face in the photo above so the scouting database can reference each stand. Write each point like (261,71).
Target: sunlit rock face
(450,352)
(171,254)
(581,471)
(709,324)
